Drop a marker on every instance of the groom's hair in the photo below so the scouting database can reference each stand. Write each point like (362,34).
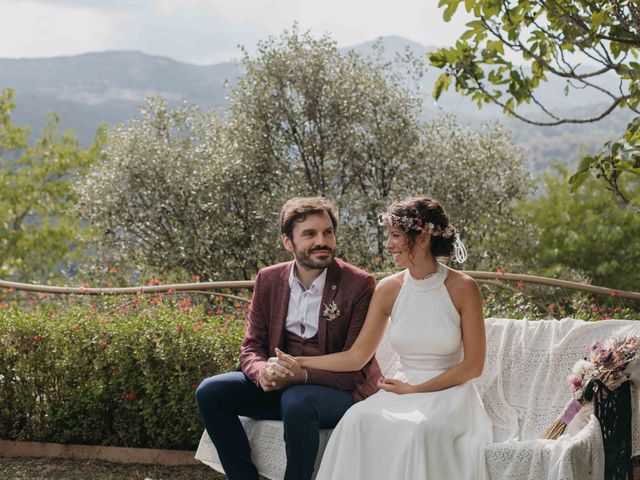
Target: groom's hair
(299,208)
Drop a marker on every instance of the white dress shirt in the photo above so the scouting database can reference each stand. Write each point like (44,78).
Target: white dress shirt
(304,305)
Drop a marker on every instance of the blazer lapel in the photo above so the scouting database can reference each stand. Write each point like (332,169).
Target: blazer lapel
(280,308)
(331,285)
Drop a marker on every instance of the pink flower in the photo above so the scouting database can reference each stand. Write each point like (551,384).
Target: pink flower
(574,382)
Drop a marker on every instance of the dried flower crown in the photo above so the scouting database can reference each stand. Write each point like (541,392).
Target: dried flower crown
(416,224)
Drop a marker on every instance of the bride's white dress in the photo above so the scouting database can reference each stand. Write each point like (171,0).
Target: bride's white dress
(426,436)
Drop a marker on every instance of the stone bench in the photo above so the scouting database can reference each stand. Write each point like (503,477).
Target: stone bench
(523,387)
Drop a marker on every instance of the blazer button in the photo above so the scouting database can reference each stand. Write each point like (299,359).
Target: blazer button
(333,287)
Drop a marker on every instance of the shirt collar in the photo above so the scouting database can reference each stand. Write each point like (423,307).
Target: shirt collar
(318,283)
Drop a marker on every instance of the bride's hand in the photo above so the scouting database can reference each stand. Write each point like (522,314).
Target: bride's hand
(395,386)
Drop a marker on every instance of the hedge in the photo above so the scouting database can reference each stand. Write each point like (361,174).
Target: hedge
(123,377)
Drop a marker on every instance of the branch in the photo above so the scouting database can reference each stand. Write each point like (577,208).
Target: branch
(613,186)
(511,111)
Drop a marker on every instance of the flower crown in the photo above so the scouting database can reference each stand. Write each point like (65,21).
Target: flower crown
(416,224)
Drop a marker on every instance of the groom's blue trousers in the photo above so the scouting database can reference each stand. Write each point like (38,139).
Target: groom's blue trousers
(303,409)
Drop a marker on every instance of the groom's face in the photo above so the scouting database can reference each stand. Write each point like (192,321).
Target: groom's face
(312,242)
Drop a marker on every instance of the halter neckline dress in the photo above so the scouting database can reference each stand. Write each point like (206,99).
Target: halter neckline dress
(427,436)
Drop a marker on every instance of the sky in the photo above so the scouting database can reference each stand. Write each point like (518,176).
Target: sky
(208,31)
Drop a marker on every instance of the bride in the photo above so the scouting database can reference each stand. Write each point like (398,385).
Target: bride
(427,422)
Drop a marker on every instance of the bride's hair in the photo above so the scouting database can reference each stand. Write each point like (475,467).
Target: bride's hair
(426,210)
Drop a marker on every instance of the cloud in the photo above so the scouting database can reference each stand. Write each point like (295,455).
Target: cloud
(34,29)
(207,31)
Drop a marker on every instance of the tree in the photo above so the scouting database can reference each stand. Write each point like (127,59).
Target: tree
(39,229)
(186,191)
(576,229)
(580,42)
(478,175)
(165,197)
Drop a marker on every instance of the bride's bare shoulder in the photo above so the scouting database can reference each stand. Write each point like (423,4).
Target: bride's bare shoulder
(391,282)
(459,280)
(389,286)
(461,286)
(386,292)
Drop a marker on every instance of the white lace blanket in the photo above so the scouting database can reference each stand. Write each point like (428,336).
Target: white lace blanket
(524,385)
(523,388)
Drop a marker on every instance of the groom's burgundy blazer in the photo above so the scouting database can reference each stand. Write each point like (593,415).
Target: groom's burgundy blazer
(349,287)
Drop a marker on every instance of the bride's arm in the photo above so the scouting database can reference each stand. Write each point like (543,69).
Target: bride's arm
(466,296)
(368,339)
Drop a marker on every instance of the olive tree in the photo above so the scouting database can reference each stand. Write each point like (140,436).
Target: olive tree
(316,121)
(189,191)
(478,174)
(170,196)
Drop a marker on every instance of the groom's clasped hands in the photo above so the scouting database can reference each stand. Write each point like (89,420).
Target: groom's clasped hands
(284,370)
(280,372)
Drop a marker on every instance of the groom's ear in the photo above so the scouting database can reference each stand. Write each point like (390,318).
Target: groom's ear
(286,241)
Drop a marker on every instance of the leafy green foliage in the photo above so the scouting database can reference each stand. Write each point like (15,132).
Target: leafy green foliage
(39,230)
(564,39)
(315,121)
(614,159)
(478,175)
(536,302)
(585,232)
(122,375)
(182,190)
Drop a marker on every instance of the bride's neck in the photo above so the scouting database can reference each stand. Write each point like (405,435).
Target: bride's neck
(423,268)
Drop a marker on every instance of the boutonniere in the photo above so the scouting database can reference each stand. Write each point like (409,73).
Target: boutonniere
(331,311)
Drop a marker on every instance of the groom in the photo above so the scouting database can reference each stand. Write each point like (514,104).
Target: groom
(314,305)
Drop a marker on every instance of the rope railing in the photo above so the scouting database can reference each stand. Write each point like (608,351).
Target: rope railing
(210,287)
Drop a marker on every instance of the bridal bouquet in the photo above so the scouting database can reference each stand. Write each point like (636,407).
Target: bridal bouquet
(612,363)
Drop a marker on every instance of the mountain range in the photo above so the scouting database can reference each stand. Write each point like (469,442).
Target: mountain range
(107,87)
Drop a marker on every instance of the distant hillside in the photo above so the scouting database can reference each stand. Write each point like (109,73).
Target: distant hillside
(90,89)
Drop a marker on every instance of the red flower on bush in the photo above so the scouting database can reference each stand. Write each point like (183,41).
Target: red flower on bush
(520,285)
(11,289)
(37,338)
(198,326)
(185,304)
(180,328)
(128,395)
(614,293)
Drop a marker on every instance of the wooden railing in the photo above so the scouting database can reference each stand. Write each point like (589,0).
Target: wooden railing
(490,278)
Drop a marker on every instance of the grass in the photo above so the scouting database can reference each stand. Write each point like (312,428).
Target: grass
(61,469)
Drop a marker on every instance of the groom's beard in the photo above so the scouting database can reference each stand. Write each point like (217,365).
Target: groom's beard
(307,259)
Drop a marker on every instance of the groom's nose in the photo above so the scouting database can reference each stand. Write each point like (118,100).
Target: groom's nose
(320,240)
